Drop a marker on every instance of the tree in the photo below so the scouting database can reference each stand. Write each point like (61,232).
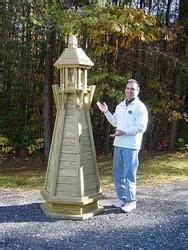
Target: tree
(179,87)
(22,64)
(123,41)
(50,44)
(168,12)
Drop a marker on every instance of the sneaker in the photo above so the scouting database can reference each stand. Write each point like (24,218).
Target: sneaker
(118,204)
(128,207)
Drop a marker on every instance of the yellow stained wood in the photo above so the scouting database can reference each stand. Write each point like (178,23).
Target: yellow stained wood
(54,154)
(57,100)
(68,141)
(68,188)
(68,172)
(68,149)
(72,168)
(67,164)
(93,149)
(67,195)
(95,196)
(67,180)
(56,151)
(68,157)
(86,156)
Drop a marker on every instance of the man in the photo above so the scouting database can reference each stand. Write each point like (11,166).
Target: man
(130,119)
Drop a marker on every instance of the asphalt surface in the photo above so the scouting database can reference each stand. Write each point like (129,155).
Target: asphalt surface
(159,222)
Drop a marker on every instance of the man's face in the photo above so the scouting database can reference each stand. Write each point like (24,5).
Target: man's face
(131,90)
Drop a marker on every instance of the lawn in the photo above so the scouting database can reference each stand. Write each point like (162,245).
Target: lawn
(157,168)
(164,168)
(23,173)
(154,169)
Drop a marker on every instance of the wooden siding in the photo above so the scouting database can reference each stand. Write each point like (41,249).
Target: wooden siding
(86,158)
(73,172)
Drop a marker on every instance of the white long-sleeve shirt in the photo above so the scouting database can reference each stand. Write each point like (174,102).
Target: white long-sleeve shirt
(131,119)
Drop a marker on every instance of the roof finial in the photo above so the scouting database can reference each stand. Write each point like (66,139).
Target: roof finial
(73,42)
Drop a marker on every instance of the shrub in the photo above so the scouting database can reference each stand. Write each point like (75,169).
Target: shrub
(36,147)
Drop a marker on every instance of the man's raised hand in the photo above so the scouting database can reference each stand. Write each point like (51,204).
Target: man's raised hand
(103,107)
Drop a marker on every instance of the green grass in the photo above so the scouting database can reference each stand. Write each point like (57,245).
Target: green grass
(22,179)
(163,168)
(154,169)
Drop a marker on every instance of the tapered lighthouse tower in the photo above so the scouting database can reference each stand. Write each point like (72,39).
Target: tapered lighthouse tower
(72,188)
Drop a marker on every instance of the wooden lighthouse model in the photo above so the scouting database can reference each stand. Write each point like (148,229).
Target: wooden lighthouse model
(72,188)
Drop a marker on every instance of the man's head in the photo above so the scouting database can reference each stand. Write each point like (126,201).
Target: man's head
(132,89)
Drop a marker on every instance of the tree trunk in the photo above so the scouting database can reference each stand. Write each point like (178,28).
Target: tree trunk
(183,14)
(183,19)
(175,124)
(50,40)
(141,4)
(168,12)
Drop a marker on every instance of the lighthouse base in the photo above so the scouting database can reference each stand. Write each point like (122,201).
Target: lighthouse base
(73,210)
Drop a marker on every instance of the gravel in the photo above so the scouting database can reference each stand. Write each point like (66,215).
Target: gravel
(159,222)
